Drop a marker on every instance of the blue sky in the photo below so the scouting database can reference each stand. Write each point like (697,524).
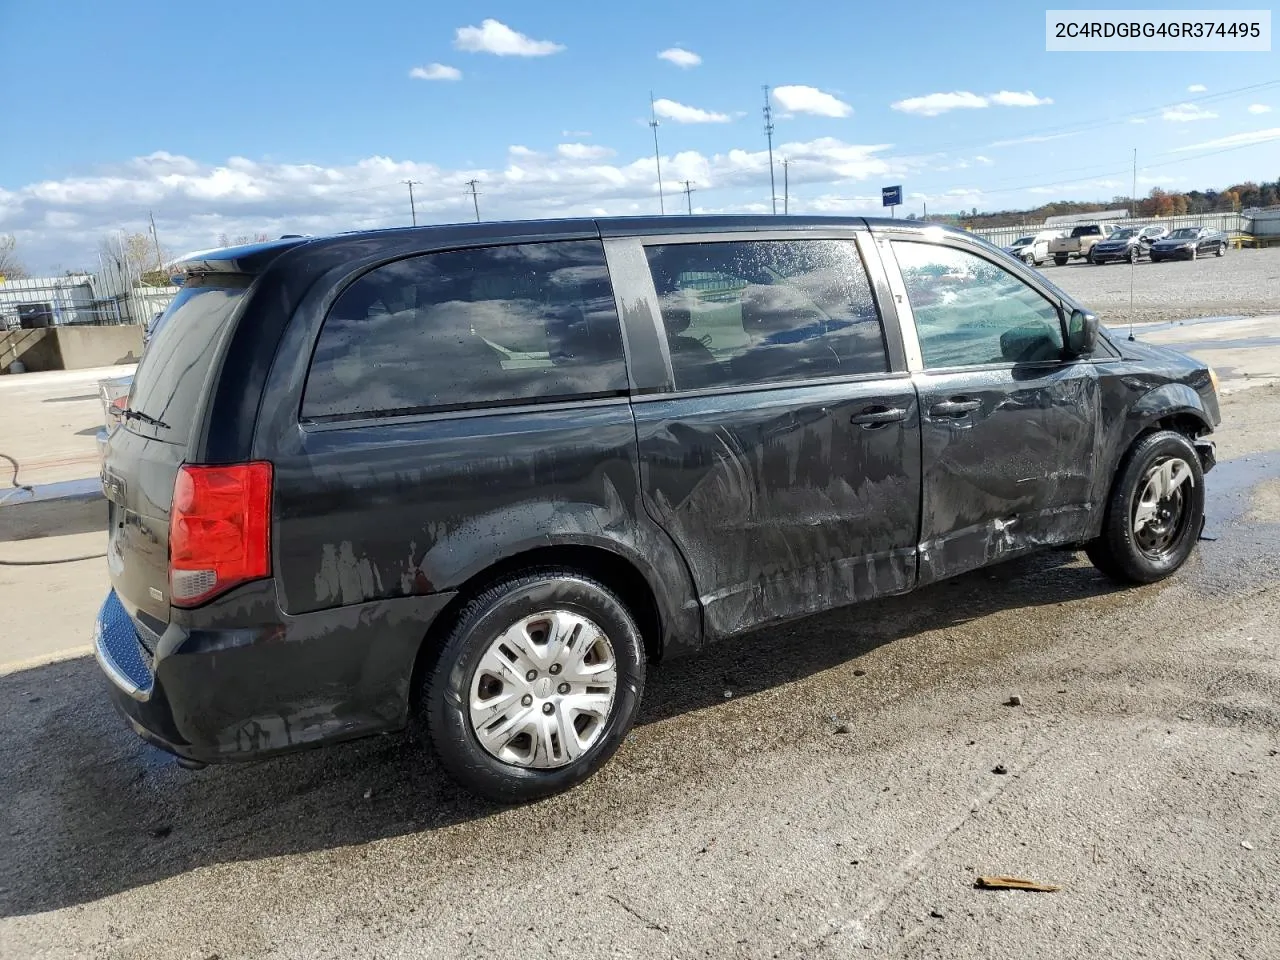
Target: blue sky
(304,117)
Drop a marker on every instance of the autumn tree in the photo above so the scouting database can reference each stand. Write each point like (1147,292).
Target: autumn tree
(10,268)
(137,257)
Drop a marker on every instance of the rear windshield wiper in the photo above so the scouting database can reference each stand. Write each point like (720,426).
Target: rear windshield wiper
(130,414)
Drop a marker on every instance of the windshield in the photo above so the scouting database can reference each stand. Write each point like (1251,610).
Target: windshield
(1124,234)
(184,341)
(1186,233)
(1022,241)
(1086,231)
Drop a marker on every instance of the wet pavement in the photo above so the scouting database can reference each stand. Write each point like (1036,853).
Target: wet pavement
(1142,777)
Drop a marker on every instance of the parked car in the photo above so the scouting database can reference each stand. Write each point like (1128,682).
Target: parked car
(1130,243)
(478,479)
(1079,242)
(1032,249)
(1187,243)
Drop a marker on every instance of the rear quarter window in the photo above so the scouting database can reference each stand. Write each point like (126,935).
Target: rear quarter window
(169,383)
(470,328)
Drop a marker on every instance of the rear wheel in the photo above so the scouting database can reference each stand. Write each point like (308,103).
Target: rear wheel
(536,686)
(1154,513)
(1060,259)
(1222,249)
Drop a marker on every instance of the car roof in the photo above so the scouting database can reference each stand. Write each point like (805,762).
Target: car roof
(251,258)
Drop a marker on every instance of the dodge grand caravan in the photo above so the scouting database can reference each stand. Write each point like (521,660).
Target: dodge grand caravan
(477,479)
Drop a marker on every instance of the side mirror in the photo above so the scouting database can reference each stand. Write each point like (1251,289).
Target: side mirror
(1082,333)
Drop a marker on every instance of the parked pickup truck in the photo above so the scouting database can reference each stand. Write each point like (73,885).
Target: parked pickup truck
(1080,241)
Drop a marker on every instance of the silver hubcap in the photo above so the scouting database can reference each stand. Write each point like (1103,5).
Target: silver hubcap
(1161,506)
(542,693)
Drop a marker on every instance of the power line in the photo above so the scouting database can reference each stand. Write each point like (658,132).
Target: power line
(474,197)
(688,195)
(413,211)
(657,155)
(786,187)
(768,132)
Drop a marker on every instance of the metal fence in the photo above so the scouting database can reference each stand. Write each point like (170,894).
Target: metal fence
(81,300)
(1229,223)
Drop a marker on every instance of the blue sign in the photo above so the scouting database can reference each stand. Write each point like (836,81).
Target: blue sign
(891,196)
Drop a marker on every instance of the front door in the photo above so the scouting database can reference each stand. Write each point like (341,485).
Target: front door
(1008,428)
(783,457)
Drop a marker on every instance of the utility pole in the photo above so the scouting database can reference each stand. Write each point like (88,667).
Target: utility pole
(786,187)
(688,196)
(475,202)
(657,155)
(926,209)
(156,237)
(413,211)
(768,132)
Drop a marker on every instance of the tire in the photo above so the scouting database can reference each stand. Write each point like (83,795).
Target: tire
(1060,259)
(529,768)
(1133,254)
(1130,555)
(1195,253)
(1222,249)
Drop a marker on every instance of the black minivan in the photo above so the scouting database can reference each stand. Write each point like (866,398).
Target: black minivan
(479,477)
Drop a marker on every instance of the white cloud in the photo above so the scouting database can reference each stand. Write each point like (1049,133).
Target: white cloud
(1137,120)
(985,161)
(1235,140)
(681,113)
(1013,98)
(801,99)
(494,36)
(583,151)
(680,57)
(1079,185)
(436,71)
(1044,138)
(1197,88)
(932,104)
(575,133)
(1259,108)
(1186,112)
(61,221)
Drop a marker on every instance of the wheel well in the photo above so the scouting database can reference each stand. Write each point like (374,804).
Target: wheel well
(1187,424)
(615,572)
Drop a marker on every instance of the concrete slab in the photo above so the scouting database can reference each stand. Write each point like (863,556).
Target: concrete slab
(48,422)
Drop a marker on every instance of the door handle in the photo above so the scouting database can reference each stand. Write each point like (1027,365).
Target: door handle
(878,416)
(954,408)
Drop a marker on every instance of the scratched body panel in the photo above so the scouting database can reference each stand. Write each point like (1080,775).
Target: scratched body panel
(781,505)
(1016,473)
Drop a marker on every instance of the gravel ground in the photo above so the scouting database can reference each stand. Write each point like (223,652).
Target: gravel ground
(1142,776)
(1243,283)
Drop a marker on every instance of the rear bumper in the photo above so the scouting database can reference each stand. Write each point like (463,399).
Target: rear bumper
(211,696)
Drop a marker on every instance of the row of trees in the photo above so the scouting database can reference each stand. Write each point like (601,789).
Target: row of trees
(1158,203)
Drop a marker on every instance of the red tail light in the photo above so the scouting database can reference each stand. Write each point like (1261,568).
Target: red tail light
(219,530)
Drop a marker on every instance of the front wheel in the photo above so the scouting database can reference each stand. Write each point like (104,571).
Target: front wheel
(536,686)
(1154,513)
(1222,249)
(1133,254)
